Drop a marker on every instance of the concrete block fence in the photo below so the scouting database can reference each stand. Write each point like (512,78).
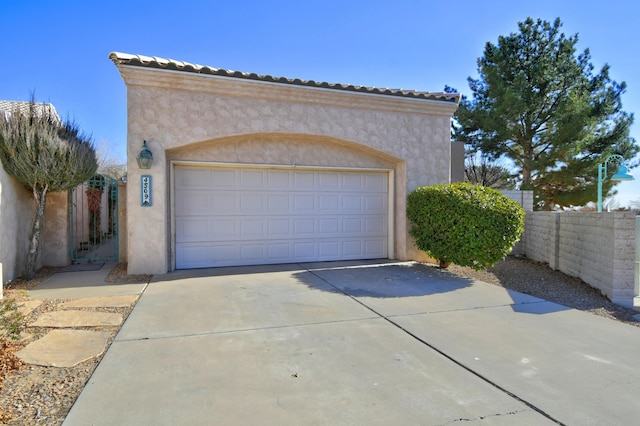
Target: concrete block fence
(602,249)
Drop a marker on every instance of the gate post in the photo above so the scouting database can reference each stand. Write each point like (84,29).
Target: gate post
(122,222)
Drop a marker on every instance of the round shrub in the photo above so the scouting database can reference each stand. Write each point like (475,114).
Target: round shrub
(463,223)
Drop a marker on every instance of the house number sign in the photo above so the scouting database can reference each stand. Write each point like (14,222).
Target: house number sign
(145,186)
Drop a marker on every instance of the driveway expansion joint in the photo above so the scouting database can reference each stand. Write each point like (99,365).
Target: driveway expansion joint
(475,308)
(441,352)
(244,330)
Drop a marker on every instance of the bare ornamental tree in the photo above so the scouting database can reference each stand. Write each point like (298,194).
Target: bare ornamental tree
(45,155)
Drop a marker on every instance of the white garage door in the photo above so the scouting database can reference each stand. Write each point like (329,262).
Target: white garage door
(250,216)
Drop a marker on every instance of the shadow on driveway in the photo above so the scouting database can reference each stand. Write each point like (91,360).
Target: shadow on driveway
(386,280)
(381,280)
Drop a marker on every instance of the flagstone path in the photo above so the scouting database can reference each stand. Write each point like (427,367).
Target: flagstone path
(66,345)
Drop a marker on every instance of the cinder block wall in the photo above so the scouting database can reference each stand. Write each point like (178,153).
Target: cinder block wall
(541,232)
(599,248)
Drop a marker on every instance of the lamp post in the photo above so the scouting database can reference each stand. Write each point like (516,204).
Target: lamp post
(621,174)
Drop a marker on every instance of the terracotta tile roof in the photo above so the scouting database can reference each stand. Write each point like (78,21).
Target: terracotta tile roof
(7,107)
(170,64)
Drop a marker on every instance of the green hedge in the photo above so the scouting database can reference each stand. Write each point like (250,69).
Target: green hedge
(465,224)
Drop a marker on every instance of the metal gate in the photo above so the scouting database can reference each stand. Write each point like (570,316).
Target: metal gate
(93,219)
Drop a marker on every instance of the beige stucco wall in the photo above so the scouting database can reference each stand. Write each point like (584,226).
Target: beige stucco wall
(17,210)
(186,116)
(55,249)
(16,216)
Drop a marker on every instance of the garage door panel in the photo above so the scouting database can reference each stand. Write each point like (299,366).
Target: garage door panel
(352,249)
(329,250)
(304,251)
(191,230)
(252,216)
(279,227)
(352,203)
(220,229)
(190,202)
(193,178)
(278,179)
(375,226)
(352,181)
(253,179)
(221,178)
(279,252)
(376,203)
(352,225)
(374,248)
(375,181)
(303,203)
(329,226)
(329,182)
(329,204)
(193,256)
(251,203)
(279,203)
(222,204)
(304,180)
(251,228)
(197,203)
(222,253)
(251,253)
(304,227)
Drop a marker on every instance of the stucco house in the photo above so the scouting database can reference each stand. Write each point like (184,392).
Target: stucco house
(253,169)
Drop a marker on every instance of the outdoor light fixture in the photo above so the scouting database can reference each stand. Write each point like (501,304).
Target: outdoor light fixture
(621,174)
(145,158)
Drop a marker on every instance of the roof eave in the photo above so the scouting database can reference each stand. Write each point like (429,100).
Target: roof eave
(172,65)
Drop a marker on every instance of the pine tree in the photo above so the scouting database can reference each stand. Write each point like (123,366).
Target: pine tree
(540,104)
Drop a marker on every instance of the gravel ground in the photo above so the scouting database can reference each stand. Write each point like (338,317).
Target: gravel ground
(537,279)
(33,395)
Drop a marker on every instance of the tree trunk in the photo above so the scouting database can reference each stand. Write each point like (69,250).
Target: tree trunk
(443,264)
(33,256)
(526,177)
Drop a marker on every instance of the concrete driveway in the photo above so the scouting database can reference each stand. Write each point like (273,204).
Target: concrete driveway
(361,343)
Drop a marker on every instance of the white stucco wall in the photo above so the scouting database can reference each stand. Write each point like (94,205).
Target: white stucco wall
(187,116)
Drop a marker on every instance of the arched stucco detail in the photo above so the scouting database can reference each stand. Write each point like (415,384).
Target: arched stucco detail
(284,149)
(300,150)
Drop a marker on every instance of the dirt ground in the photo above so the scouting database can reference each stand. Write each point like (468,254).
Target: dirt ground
(36,395)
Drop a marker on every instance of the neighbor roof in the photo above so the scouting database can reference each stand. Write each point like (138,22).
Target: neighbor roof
(7,107)
(170,64)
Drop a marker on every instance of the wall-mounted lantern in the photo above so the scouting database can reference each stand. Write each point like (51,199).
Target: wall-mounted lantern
(621,174)
(145,158)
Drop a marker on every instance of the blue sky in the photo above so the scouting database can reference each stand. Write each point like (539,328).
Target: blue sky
(59,49)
